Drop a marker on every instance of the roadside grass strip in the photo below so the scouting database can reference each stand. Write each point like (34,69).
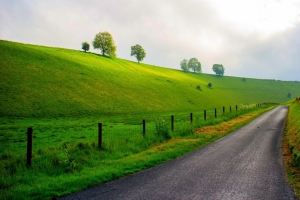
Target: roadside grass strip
(291,146)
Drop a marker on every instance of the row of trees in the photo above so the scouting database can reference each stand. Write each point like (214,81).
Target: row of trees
(105,43)
(194,65)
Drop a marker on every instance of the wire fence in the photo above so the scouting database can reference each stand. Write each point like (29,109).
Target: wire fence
(122,134)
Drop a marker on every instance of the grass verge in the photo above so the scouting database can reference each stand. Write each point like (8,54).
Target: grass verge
(291,147)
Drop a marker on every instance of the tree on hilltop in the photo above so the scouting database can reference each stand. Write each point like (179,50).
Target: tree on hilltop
(194,64)
(184,65)
(85,46)
(105,43)
(138,52)
(218,69)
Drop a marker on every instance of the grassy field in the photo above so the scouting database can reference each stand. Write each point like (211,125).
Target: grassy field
(66,157)
(291,145)
(64,93)
(43,82)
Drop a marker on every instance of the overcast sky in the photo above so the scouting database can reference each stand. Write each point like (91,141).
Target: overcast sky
(251,38)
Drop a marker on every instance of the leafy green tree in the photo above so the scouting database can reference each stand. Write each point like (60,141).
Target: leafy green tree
(85,46)
(289,95)
(209,85)
(105,43)
(218,69)
(138,52)
(194,64)
(184,65)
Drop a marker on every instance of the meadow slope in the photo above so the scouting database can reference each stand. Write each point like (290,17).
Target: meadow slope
(37,81)
(64,93)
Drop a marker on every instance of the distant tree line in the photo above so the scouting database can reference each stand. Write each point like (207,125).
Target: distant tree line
(194,65)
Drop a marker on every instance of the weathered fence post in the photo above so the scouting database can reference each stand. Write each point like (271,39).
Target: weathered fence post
(144,128)
(99,135)
(236,108)
(191,118)
(215,113)
(204,115)
(29,146)
(230,108)
(223,109)
(172,122)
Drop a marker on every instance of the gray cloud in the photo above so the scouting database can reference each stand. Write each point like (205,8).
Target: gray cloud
(169,31)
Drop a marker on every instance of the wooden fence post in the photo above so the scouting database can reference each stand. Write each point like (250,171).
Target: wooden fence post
(215,113)
(236,108)
(191,118)
(29,146)
(172,122)
(223,109)
(99,135)
(144,128)
(204,115)
(230,108)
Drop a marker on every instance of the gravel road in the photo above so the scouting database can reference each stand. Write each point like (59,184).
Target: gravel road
(246,164)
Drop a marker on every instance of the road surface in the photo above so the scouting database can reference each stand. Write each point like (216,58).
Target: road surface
(246,164)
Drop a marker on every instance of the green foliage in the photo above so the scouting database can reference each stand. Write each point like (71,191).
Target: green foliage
(218,69)
(209,85)
(184,65)
(162,129)
(293,129)
(138,52)
(105,43)
(199,87)
(296,158)
(289,95)
(85,46)
(65,162)
(292,139)
(195,65)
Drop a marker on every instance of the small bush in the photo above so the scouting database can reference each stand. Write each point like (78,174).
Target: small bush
(297,159)
(82,146)
(65,162)
(162,129)
(198,87)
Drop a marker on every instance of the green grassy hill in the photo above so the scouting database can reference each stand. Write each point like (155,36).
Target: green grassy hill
(38,81)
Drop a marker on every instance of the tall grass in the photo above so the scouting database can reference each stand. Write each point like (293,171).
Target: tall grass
(291,146)
(293,131)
